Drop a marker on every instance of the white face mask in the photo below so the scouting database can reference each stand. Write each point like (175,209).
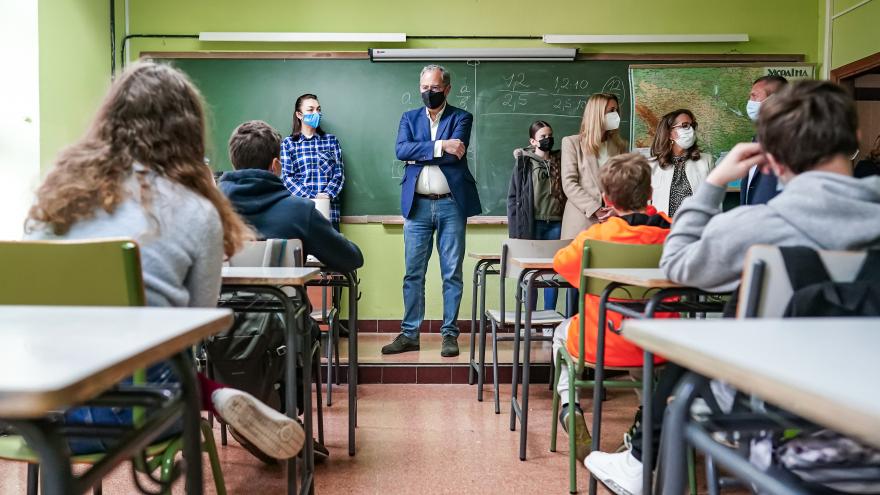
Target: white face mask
(686,138)
(612,121)
(752,109)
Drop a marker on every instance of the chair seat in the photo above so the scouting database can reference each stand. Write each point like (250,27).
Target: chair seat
(542,318)
(14,448)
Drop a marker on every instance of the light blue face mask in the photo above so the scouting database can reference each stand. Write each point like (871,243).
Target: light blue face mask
(312,120)
(752,109)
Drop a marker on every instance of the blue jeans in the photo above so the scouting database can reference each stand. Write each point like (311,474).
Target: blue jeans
(426,217)
(115,416)
(546,231)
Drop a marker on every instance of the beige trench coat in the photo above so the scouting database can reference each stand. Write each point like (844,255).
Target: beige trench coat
(580,182)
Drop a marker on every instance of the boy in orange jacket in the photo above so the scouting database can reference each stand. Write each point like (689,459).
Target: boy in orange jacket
(626,186)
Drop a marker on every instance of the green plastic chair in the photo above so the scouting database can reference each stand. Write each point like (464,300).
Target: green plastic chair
(597,254)
(104,272)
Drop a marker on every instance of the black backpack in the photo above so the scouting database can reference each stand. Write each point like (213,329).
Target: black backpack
(250,356)
(816,294)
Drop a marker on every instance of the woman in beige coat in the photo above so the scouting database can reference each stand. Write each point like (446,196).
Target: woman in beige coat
(582,155)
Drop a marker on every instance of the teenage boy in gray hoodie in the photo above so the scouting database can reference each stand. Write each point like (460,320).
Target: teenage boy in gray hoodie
(807,133)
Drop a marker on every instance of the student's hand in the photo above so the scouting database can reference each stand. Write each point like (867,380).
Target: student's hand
(737,164)
(604,213)
(322,196)
(517,153)
(454,147)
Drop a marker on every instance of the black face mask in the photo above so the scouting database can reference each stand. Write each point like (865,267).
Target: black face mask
(546,144)
(433,99)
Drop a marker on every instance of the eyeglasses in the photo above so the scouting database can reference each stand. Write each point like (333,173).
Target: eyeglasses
(685,125)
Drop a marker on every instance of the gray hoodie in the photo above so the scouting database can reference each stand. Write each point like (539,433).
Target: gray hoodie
(822,210)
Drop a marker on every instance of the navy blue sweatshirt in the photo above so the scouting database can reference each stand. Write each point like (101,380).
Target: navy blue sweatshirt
(262,200)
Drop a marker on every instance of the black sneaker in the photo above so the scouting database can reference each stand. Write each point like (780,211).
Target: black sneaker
(449,348)
(582,441)
(320,452)
(401,343)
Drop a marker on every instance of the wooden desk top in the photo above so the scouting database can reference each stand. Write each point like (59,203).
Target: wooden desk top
(652,278)
(239,275)
(533,263)
(52,357)
(824,369)
(485,256)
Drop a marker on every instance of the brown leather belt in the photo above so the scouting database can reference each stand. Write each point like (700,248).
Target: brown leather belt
(434,196)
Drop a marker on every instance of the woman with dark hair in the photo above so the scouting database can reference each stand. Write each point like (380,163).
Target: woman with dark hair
(535,200)
(870,165)
(677,164)
(311,159)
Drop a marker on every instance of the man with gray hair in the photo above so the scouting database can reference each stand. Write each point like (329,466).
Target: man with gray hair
(438,194)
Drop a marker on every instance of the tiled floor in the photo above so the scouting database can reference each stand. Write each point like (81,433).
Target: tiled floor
(419,439)
(370,347)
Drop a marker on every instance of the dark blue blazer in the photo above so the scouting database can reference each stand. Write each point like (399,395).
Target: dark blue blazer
(761,190)
(414,144)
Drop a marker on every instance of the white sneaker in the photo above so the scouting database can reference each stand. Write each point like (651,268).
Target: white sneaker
(621,473)
(270,431)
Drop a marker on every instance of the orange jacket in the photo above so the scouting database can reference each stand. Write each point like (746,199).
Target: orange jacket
(619,352)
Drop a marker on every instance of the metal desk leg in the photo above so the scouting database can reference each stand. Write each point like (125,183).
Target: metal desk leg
(192,432)
(518,302)
(648,406)
(673,447)
(524,420)
(352,359)
(474,290)
(600,375)
(54,470)
(308,450)
(481,365)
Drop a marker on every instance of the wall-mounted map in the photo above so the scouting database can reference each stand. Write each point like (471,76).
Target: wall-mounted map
(715,93)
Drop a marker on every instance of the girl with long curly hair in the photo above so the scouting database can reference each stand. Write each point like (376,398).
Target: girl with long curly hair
(139,172)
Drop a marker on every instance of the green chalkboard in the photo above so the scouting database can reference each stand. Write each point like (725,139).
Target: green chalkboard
(362,102)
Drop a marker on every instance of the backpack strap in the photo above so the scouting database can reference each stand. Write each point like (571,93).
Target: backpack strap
(870,271)
(804,266)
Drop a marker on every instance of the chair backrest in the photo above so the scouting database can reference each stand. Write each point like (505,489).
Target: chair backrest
(605,254)
(526,248)
(270,253)
(766,289)
(103,272)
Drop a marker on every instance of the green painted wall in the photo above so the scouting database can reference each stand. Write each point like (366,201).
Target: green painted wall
(74,70)
(782,26)
(855,34)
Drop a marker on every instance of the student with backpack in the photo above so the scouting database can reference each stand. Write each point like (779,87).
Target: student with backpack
(139,173)
(806,135)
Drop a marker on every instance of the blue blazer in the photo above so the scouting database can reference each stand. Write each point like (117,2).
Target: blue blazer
(414,144)
(761,190)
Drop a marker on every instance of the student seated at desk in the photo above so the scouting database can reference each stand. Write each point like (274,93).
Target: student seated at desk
(807,135)
(626,185)
(138,173)
(257,193)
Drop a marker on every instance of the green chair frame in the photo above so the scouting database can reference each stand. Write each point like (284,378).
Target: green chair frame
(597,254)
(105,272)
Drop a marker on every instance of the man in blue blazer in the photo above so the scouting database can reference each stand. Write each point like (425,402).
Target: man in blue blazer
(438,195)
(757,188)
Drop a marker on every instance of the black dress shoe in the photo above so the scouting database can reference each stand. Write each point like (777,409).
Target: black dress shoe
(401,343)
(449,348)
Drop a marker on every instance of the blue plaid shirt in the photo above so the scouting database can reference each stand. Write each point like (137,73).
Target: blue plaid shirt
(310,166)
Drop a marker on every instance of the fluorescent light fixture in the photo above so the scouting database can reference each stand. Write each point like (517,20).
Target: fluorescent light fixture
(304,37)
(522,54)
(584,39)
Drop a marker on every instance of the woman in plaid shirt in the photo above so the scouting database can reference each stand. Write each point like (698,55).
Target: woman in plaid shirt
(311,159)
